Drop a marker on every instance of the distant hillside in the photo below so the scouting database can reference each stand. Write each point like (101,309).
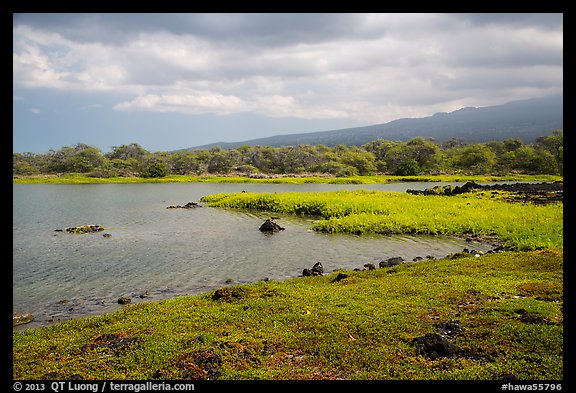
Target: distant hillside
(526,120)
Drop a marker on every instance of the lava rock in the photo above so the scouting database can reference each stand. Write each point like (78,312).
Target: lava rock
(270,226)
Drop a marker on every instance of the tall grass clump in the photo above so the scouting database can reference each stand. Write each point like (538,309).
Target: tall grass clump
(521,226)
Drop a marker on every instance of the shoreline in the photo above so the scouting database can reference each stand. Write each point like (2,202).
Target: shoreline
(110,304)
(289,179)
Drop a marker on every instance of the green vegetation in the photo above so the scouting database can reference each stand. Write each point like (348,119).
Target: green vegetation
(363,326)
(76,178)
(417,156)
(521,226)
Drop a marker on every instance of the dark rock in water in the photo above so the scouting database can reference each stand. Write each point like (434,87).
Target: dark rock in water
(21,319)
(85,229)
(369,266)
(391,262)
(317,270)
(106,235)
(434,346)
(270,226)
(189,205)
(124,300)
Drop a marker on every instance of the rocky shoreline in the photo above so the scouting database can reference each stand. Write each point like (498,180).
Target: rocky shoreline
(538,193)
(317,269)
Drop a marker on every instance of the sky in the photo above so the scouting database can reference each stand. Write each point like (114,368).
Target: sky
(172,81)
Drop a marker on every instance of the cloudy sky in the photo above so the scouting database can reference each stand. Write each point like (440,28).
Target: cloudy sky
(170,81)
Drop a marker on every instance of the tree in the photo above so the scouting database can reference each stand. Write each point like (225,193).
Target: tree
(363,161)
(477,159)
(154,166)
(408,167)
(126,152)
(554,144)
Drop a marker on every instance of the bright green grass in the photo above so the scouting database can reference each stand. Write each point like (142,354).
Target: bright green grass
(82,179)
(521,226)
(362,327)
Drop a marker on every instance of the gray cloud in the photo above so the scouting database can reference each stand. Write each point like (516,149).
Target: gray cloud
(541,20)
(251,29)
(300,65)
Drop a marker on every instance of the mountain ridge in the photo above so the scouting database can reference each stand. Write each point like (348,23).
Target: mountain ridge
(524,119)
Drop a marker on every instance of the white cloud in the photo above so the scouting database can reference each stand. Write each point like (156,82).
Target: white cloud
(189,103)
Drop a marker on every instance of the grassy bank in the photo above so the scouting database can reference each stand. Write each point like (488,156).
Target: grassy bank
(521,226)
(507,308)
(82,179)
(504,310)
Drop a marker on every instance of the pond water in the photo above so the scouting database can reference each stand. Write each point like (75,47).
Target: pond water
(173,252)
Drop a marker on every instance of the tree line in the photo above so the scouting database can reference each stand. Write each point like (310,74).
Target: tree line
(417,156)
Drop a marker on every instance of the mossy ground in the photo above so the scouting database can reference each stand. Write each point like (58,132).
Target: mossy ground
(509,306)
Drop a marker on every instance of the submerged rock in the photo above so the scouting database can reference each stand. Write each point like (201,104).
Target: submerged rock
(189,205)
(21,319)
(85,229)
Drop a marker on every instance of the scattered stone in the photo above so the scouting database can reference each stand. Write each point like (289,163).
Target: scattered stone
(340,277)
(124,300)
(106,235)
(145,295)
(228,294)
(369,266)
(270,226)
(208,361)
(229,280)
(449,329)
(109,340)
(391,262)
(434,346)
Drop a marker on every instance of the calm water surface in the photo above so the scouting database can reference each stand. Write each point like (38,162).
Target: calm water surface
(172,252)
